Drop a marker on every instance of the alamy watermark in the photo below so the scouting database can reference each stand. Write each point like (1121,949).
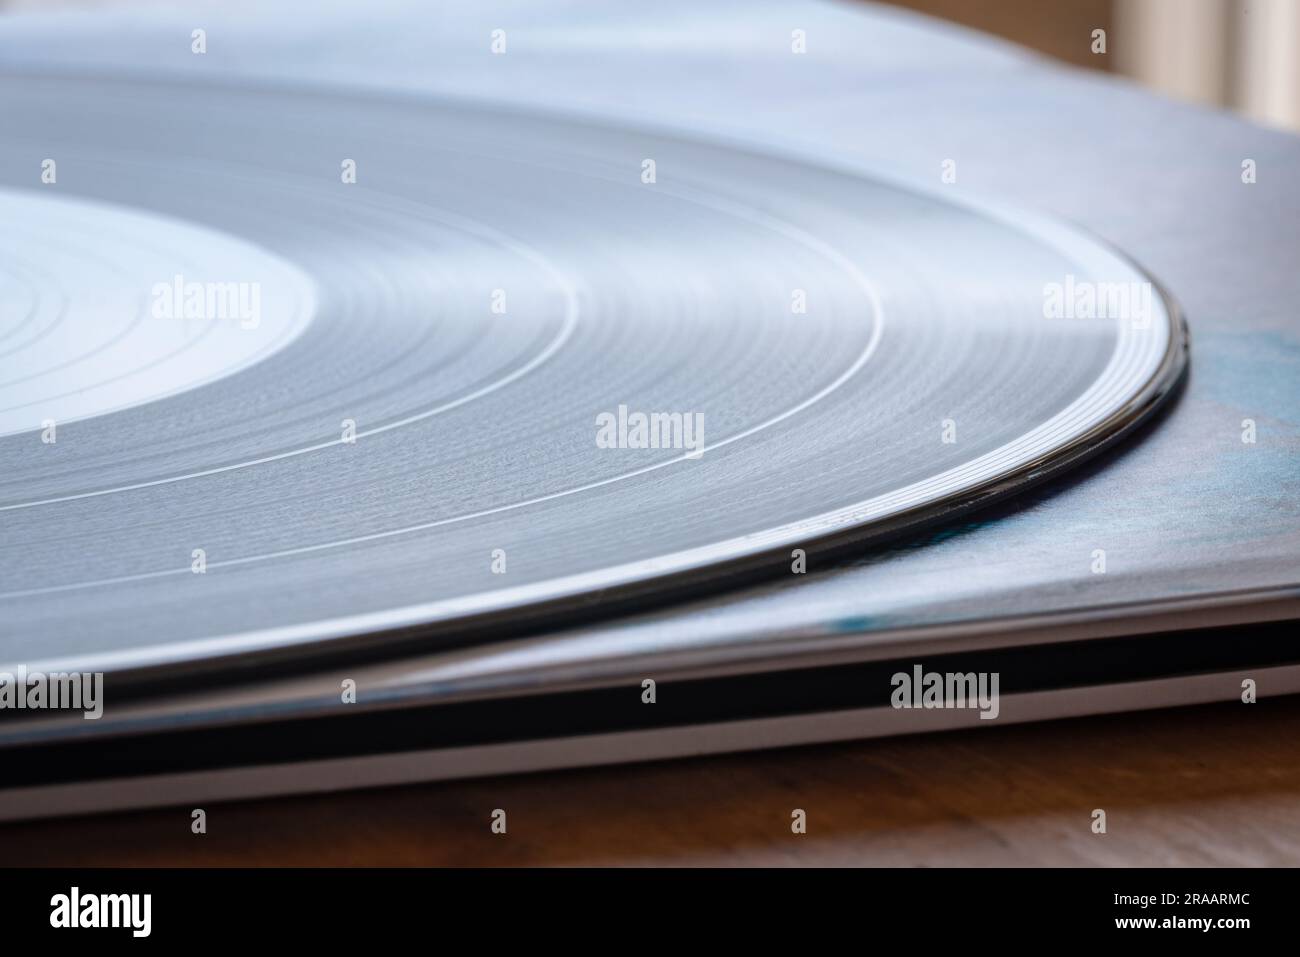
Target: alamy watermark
(1083,299)
(133,912)
(181,299)
(54,691)
(651,430)
(933,689)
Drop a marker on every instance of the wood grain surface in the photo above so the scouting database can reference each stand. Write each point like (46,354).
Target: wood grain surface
(1214,785)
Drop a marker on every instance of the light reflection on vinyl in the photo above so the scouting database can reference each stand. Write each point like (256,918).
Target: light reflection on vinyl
(406,434)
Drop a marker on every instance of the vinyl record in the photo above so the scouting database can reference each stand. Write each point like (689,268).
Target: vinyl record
(282,368)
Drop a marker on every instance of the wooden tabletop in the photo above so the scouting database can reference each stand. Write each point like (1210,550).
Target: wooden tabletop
(1214,785)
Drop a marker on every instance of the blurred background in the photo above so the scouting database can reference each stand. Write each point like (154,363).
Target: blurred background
(1241,55)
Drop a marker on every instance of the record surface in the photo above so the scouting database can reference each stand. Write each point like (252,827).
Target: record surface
(423,401)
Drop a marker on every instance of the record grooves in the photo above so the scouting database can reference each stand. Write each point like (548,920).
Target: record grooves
(405,443)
